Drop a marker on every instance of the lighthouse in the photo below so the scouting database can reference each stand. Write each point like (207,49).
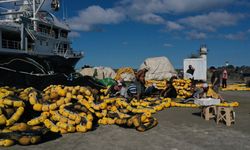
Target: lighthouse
(203,51)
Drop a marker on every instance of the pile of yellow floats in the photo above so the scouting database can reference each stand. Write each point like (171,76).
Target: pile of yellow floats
(65,109)
(236,87)
(27,115)
(159,84)
(183,88)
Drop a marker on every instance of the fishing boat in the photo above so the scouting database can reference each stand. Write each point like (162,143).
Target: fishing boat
(35,49)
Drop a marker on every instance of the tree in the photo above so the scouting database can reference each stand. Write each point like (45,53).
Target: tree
(230,67)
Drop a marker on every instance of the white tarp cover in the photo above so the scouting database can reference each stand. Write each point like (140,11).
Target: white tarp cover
(101,72)
(87,72)
(127,76)
(160,68)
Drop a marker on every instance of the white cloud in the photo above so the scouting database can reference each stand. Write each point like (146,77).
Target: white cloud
(194,35)
(156,12)
(212,21)
(172,6)
(236,36)
(173,26)
(150,19)
(151,11)
(74,34)
(94,15)
(167,45)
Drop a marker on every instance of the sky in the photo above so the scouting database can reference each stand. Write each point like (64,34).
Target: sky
(119,33)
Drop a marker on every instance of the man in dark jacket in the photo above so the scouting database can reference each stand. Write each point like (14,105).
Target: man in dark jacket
(215,79)
(191,70)
(170,91)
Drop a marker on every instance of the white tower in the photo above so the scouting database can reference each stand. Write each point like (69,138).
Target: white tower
(203,51)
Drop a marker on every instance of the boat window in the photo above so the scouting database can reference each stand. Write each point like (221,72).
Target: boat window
(11,40)
(56,33)
(45,17)
(65,47)
(47,43)
(64,34)
(41,42)
(44,29)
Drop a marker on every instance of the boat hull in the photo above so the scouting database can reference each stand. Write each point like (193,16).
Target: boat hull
(22,70)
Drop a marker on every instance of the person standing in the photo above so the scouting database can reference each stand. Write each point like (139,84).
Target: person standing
(215,79)
(224,78)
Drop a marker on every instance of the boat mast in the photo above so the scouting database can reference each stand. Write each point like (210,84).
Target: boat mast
(35,11)
(34,15)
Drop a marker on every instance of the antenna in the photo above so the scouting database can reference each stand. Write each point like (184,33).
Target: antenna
(63,4)
(66,10)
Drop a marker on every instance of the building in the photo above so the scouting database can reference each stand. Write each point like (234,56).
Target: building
(199,63)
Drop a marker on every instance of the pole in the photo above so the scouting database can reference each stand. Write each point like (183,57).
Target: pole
(22,37)
(34,15)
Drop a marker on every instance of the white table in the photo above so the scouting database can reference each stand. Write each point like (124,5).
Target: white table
(208,109)
(207,101)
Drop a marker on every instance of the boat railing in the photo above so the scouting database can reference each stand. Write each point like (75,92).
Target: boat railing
(67,53)
(42,31)
(10,44)
(46,32)
(63,52)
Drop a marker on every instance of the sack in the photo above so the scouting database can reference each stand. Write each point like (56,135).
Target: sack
(99,72)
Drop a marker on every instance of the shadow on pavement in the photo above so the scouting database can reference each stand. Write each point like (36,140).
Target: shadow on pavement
(197,114)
